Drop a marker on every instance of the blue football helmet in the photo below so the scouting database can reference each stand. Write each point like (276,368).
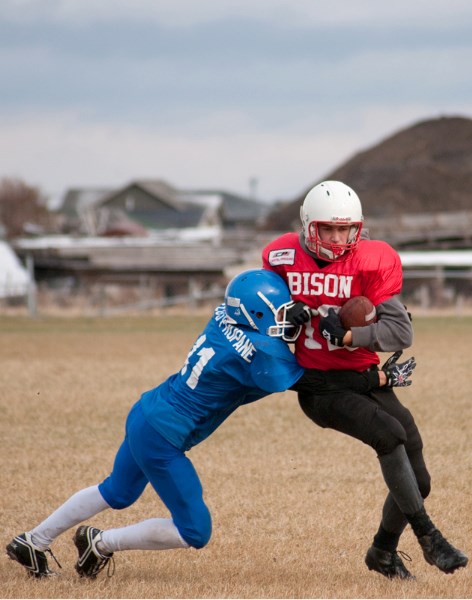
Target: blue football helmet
(259,299)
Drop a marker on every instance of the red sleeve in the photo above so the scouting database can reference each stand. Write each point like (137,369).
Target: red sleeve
(382,271)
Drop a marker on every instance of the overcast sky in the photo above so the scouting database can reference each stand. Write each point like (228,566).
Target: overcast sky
(214,93)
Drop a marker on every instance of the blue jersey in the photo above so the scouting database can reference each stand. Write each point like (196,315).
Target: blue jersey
(228,366)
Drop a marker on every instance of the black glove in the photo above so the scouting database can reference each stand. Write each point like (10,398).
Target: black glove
(331,329)
(298,314)
(398,374)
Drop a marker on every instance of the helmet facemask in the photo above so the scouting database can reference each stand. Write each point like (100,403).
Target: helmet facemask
(326,250)
(282,328)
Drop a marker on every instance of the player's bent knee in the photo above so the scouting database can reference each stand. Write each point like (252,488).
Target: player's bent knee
(197,542)
(118,499)
(120,503)
(197,538)
(196,531)
(424,483)
(389,433)
(388,443)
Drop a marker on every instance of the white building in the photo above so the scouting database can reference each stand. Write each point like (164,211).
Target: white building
(14,278)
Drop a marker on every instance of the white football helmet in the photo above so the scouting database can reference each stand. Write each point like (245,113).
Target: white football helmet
(333,203)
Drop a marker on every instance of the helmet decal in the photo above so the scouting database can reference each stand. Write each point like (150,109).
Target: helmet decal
(268,302)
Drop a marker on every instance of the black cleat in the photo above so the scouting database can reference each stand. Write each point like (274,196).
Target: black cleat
(388,564)
(91,561)
(440,553)
(24,550)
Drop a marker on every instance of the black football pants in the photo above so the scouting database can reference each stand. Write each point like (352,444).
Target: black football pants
(376,418)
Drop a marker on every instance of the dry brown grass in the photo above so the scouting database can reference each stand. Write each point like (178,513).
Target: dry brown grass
(294,506)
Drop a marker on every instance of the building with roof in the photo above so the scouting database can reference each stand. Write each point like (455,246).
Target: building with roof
(143,206)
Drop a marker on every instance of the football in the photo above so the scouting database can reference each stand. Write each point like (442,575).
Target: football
(357,312)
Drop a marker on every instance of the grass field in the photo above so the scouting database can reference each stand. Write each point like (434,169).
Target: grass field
(294,507)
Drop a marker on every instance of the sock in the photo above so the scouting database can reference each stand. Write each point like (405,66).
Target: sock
(386,540)
(401,481)
(393,520)
(79,507)
(421,523)
(152,534)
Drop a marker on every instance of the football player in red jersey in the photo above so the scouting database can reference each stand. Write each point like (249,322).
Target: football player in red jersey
(325,265)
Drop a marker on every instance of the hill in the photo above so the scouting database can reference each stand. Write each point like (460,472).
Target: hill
(425,168)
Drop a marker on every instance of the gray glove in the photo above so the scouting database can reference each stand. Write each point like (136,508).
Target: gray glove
(398,373)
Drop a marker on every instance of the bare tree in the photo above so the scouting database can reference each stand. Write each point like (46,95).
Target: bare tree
(22,207)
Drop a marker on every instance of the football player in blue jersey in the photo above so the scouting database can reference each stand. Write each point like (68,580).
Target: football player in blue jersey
(241,356)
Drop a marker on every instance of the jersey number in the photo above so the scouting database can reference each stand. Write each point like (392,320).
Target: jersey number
(205,355)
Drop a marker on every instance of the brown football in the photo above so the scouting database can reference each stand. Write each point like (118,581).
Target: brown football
(357,312)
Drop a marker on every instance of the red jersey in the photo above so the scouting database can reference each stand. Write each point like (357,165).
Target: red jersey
(374,270)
